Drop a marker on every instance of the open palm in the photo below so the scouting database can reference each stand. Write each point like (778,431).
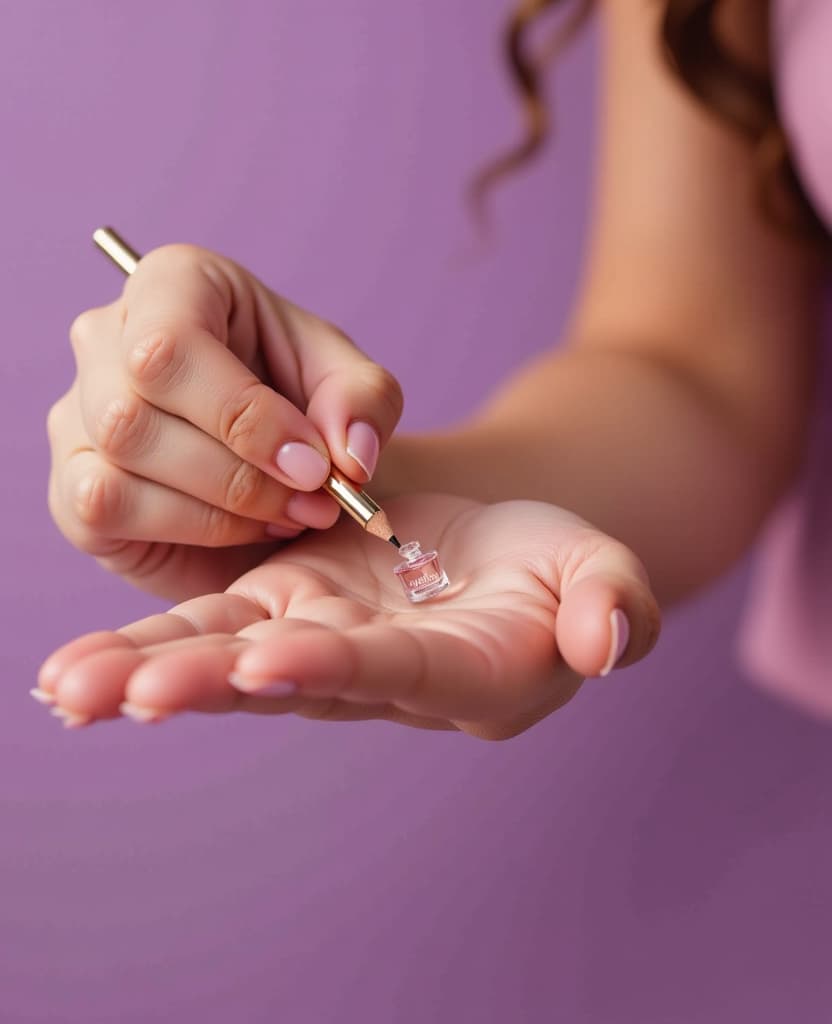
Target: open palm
(324,623)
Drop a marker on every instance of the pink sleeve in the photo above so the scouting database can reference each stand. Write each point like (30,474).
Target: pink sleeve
(785,640)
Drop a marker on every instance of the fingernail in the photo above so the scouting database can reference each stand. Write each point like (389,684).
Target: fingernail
(142,715)
(281,532)
(71,720)
(303,465)
(267,688)
(363,445)
(42,697)
(315,510)
(76,721)
(620,636)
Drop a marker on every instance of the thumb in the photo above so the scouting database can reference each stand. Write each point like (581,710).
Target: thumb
(608,616)
(353,402)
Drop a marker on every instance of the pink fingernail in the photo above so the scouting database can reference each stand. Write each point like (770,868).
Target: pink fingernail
(145,716)
(281,532)
(620,637)
(265,688)
(70,719)
(363,446)
(42,697)
(77,721)
(315,510)
(303,465)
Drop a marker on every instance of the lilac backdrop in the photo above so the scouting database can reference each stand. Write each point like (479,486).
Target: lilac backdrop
(659,851)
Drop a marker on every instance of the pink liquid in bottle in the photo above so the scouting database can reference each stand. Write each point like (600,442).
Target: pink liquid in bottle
(421,575)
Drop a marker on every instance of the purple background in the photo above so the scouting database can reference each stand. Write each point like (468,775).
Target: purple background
(659,851)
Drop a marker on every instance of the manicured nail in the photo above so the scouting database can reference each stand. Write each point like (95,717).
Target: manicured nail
(620,636)
(303,465)
(315,509)
(42,697)
(363,445)
(70,719)
(266,688)
(77,721)
(142,715)
(281,532)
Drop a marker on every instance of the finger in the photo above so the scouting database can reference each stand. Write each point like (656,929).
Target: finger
(164,568)
(60,660)
(187,674)
(174,340)
(136,436)
(608,616)
(98,506)
(194,677)
(193,671)
(423,671)
(93,686)
(200,616)
(88,495)
(210,613)
(191,675)
(354,402)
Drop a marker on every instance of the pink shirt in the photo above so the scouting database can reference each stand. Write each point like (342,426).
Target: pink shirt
(785,641)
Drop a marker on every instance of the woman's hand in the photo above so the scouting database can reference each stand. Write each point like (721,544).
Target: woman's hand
(202,422)
(322,629)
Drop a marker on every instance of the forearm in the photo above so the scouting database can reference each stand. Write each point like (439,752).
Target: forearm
(638,448)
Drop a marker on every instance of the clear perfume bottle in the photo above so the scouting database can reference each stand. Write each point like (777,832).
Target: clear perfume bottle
(421,575)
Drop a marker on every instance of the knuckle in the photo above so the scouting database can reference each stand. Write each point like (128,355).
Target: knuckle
(157,358)
(53,502)
(55,420)
(83,500)
(81,330)
(216,527)
(93,500)
(175,253)
(242,488)
(585,544)
(387,389)
(65,519)
(219,281)
(119,429)
(172,258)
(241,416)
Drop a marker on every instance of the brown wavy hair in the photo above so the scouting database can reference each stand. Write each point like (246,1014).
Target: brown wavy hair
(732,90)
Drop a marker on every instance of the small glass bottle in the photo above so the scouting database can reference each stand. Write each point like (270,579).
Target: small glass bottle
(421,575)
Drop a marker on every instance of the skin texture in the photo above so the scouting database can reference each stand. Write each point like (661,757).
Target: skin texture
(672,418)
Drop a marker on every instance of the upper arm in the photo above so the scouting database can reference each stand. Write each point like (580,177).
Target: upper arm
(682,265)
